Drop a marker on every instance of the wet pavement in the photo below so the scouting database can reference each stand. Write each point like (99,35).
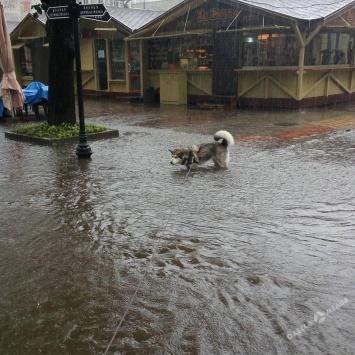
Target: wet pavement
(256,259)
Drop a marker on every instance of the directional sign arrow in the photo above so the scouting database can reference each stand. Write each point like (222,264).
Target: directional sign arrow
(105,17)
(58,12)
(92,10)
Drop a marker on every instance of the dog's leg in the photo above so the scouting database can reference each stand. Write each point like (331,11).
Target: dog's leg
(223,163)
(191,159)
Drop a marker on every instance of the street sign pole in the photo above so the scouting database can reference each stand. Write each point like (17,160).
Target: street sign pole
(83,149)
(74,11)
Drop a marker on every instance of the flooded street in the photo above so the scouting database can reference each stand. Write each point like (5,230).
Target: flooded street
(256,259)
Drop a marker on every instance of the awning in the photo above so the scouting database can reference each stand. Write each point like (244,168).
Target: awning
(18,45)
(256,29)
(29,38)
(169,35)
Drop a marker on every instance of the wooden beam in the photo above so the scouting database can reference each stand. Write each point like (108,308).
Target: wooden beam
(341,85)
(300,73)
(323,78)
(351,80)
(326,86)
(284,88)
(266,87)
(252,86)
(313,34)
(299,37)
(198,87)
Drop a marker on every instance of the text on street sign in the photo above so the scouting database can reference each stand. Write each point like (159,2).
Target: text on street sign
(92,12)
(58,12)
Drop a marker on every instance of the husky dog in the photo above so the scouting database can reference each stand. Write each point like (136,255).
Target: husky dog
(200,154)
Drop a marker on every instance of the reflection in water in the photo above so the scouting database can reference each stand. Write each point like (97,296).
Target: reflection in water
(231,262)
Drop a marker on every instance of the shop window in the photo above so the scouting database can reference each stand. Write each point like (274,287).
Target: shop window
(158,54)
(279,49)
(333,49)
(26,61)
(270,49)
(118,64)
(190,53)
(134,55)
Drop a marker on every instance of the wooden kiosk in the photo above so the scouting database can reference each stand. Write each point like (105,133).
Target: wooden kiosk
(250,53)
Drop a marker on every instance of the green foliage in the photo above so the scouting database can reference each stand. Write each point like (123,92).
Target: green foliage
(39,8)
(44,130)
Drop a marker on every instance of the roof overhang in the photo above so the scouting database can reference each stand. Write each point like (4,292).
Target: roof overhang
(270,9)
(29,28)
(257,29)
(169,16)
(170,35)
(18,45)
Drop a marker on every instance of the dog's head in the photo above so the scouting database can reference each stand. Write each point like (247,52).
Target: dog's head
(178,156)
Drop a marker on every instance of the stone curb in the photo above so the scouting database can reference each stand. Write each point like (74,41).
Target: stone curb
(112,133)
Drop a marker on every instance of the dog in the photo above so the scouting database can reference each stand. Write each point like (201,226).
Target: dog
(200,154)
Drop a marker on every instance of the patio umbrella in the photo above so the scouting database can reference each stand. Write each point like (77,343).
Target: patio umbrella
(11,91)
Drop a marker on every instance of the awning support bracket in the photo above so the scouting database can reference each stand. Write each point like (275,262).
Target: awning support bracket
(234,19)
(187,17)
(158,28)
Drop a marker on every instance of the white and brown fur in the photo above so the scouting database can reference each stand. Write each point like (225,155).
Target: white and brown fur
(200,154)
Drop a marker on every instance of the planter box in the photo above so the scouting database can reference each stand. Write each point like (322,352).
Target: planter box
(55,141)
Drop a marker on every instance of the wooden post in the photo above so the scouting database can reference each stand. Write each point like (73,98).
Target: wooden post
(300,73)
(302,46)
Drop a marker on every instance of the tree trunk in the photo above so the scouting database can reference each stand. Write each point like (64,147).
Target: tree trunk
(61,94)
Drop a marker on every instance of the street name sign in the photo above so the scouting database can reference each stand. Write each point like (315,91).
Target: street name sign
(91,12)
(74,12)
(58,12)
(105,17)
(94,12)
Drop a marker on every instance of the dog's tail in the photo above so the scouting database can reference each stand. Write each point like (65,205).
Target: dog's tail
(227,138)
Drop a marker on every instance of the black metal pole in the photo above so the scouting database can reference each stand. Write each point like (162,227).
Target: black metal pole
(83,149)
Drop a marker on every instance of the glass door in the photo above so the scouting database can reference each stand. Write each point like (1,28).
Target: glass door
(134,67)
(101,64)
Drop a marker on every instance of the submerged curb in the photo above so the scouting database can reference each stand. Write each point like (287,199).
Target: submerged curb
(111,133)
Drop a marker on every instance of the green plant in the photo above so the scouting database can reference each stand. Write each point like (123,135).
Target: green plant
(44,130)
(39,8)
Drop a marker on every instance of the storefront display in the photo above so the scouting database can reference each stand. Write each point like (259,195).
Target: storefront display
(270,49)
(188,53)
(118,63)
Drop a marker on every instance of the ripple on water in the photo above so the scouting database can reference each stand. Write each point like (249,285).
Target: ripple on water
(230,261)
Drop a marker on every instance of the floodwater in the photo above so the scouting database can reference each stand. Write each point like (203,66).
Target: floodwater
(126,254)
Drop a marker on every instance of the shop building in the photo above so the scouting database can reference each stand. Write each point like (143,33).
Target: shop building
(30,50)
(253,53)
(110,65)
(246,52)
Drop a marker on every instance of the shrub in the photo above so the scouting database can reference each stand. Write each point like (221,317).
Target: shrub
(44,130)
